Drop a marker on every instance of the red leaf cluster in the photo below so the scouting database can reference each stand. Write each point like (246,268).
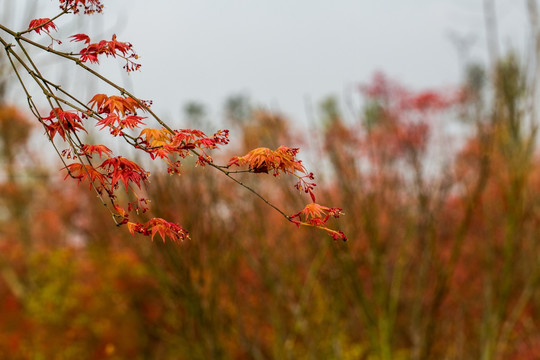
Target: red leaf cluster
(318,215)
(121,169)
(120,112)
(166,145)
(281,160)
(101,150)
(44,24)
(62,122)
(83,172)
(115,169)
(159,226)
(112,48)
(114,104)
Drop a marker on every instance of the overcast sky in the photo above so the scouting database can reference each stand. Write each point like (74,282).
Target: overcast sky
(280,52)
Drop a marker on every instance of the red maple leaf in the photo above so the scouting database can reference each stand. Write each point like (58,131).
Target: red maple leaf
(166,229)
(318,215)
(81,37)
(44,24)
(67,121)
(159,226)
(112,48)
(122,169)
(109,121)
(131,121)
(101,150)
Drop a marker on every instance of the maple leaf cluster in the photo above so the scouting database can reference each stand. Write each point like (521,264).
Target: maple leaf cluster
(114,170)
(101,150)
(169,145)
(92,51)
(85,172)
(281,160)
(112,48)
(118,114)
(121,169)
(159,226)
(62,122)
(318,216)
(107,177)
(264,160)
(44,24)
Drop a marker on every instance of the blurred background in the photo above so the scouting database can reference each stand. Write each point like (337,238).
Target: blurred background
(419,120)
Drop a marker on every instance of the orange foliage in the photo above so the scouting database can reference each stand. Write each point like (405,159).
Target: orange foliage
(440,264)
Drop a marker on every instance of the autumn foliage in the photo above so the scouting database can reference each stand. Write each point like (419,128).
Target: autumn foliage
(439,194)
(119,115)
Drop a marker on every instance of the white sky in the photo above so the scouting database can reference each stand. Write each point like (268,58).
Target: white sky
(281,51)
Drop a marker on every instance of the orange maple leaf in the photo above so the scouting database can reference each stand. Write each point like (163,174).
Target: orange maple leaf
(83,172)
(159,226)
(262,160)
(155,137)
(114,104)
(318,215)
